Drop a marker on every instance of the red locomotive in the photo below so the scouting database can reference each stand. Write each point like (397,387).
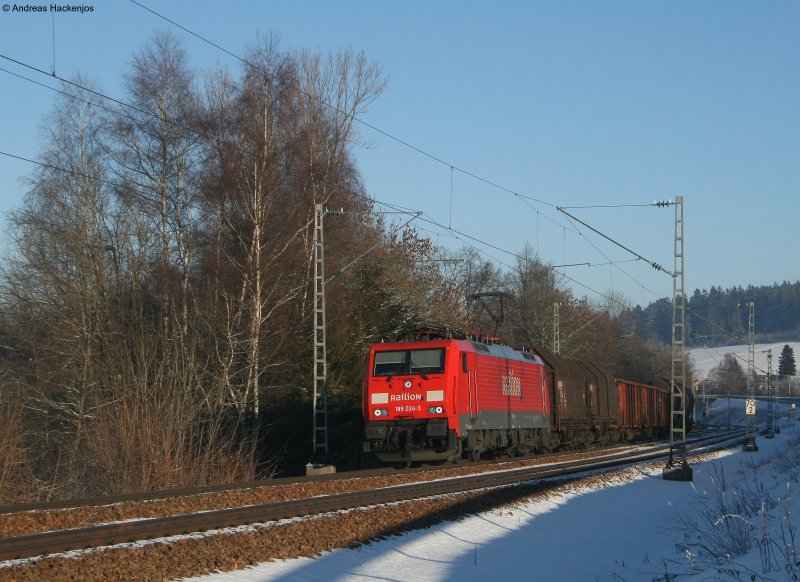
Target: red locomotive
(439,399)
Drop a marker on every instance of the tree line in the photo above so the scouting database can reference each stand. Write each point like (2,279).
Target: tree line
(720,316)
(156,305)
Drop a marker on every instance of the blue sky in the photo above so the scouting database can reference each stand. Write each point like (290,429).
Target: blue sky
(571,103)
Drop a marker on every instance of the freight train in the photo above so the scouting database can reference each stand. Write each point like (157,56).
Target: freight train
(443,399)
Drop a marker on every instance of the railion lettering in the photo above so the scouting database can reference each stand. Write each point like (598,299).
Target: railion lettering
(404,396)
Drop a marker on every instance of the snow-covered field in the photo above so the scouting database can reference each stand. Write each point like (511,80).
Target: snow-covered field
(640,528)
(706,358)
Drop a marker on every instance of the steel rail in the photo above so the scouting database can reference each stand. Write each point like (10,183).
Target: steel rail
(37,544)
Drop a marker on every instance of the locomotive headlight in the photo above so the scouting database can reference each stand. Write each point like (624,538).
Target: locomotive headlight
(381,412)
(435,410)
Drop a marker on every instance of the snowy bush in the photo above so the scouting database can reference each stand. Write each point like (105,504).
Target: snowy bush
(745,528)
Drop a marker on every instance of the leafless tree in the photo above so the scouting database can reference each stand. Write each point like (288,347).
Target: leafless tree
(728,376)
(535,287)
(293,116)
(157,149)
(57,285)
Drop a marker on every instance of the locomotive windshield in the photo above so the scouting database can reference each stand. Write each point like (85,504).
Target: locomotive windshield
(405,362)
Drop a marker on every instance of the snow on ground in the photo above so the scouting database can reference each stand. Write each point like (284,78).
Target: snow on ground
(706,358)
(635,530)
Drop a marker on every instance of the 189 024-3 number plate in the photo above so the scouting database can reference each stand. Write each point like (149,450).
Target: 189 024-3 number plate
(408,408)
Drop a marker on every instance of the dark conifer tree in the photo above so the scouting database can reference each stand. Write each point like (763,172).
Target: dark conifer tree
(786,364)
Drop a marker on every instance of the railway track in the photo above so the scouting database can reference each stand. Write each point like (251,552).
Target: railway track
(179,492)
(148,496)
(37,544)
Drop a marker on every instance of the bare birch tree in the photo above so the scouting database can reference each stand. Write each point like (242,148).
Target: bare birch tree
(157,150)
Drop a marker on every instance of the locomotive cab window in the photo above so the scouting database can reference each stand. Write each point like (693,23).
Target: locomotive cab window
(427,361)
(390,363)
(406,362)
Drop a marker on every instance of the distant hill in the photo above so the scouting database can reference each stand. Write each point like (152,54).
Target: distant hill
(719,316)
